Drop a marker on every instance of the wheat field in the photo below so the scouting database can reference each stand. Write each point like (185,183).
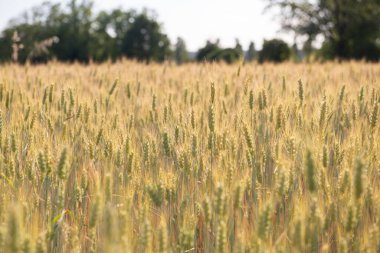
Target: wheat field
(129,157)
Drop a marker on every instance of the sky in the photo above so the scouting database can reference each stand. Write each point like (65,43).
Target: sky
(194,20)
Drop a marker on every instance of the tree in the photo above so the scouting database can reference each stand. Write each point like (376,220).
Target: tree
(213,52)
(32,30)
(209,51)
(350,28)
(230,55)
(181,54)
(238,47)
(70,25)
(109,30)
(144,40)
(251,53)
(72,33)
(274,51)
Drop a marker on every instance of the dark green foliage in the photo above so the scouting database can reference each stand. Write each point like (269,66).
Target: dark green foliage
(207,52)
(110,29)
(82,36)
(350,28)
(251,53)
(274,51)
(212,52)
(144,40)
(181,54)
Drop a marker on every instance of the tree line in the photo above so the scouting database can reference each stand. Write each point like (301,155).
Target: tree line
(349,29)
(73,32)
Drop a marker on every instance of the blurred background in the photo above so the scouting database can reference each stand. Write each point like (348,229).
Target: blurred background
(184,31)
